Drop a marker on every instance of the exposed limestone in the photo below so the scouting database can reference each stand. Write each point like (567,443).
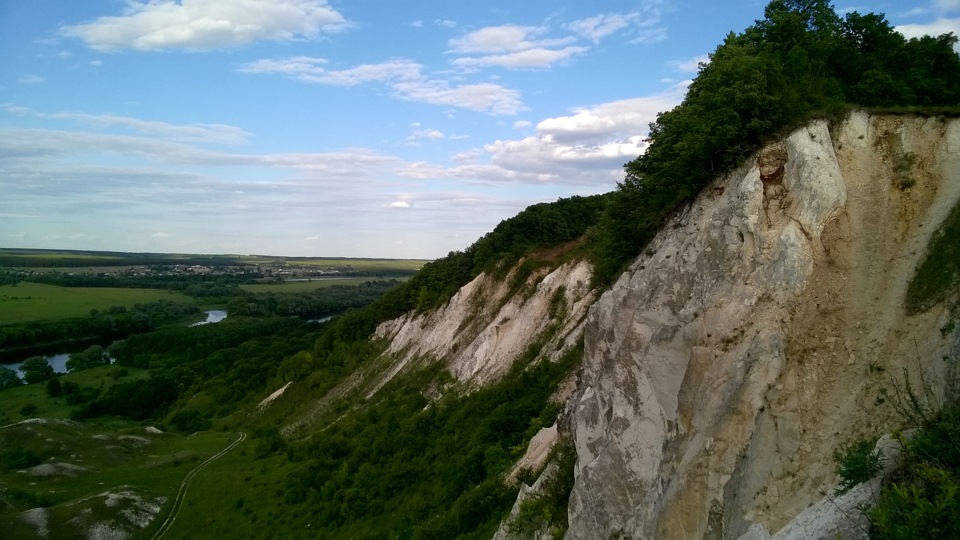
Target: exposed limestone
(760,331)
(484,328)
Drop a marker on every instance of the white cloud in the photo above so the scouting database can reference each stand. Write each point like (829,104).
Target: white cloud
(161,235)
(512,47)
(600,26)
(691,65)
(404,77)
(399,204)
(643,21)
(947,6)
(95,63)
(203,133)
(445,23)
(586,148)
(522,124)
(206,24)
(31,79)
(494,39)
(935,28)
(616,119)
(419,134)
(530,58)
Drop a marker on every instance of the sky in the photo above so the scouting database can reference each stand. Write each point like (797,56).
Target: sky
(313,128)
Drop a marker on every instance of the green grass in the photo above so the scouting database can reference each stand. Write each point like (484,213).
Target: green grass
(13,400)
(305,286)
(34,301)
(938,276)
(116,456)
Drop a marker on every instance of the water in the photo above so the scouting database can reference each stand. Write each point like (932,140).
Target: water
(213,316)
(57,361)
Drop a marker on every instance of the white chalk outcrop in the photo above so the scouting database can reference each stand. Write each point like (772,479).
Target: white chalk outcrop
(760,330)
(487,325)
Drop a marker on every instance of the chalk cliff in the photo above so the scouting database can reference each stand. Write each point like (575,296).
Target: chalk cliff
(761,329)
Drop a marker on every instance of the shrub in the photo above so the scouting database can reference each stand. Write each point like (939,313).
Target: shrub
(856,462)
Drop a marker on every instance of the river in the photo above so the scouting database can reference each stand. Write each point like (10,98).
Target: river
(59,361)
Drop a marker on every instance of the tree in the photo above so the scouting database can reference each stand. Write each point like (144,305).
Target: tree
(94,356)
(9,378)
(54,388)
(36,369)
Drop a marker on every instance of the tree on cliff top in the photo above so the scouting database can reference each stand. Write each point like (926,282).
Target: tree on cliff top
(799,62)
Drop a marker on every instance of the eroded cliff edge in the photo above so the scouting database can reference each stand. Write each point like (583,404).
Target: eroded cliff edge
(761,329)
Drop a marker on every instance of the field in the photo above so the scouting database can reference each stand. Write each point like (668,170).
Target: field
(34,301)
(333,262)
(110,260)
(304,286)
(79,465)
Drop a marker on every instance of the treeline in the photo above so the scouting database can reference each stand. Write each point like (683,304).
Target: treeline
(113,323)
(322,302)
(196,285)
(225,363)
(539,226)
(799,62)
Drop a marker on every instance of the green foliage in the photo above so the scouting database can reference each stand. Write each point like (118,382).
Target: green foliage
(36,369)
(938,276)
(93,356)
(856,462)
(9,378)
(548,508)
(18,457)
(800,61)
(54,388)
(401,465)
(903,169)
(923,500)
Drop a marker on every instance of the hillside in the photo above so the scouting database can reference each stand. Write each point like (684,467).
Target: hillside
(774,281)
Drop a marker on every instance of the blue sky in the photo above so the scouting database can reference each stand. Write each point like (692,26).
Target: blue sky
(331,128)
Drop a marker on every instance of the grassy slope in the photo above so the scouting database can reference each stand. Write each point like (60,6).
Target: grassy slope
(34,301)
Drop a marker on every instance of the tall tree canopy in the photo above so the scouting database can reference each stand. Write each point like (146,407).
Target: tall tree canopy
(800,61)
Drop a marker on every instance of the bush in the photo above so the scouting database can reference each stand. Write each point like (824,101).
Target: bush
(856,462)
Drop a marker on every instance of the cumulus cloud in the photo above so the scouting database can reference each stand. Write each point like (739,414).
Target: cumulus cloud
(585,148)
(616,119)
(935,28)
(206,24)
(404,77)
(512,47)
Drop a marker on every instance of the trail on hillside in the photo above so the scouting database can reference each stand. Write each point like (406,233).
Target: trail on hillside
(181,494)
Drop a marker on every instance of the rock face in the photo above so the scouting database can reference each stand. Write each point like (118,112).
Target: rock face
(487,325)
(760,330)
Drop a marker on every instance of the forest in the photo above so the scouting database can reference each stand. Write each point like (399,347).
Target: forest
(397,463)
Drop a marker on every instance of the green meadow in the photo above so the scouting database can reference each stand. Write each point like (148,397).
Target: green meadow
(34,301)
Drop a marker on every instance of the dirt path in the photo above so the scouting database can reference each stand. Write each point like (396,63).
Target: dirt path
(181,494)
